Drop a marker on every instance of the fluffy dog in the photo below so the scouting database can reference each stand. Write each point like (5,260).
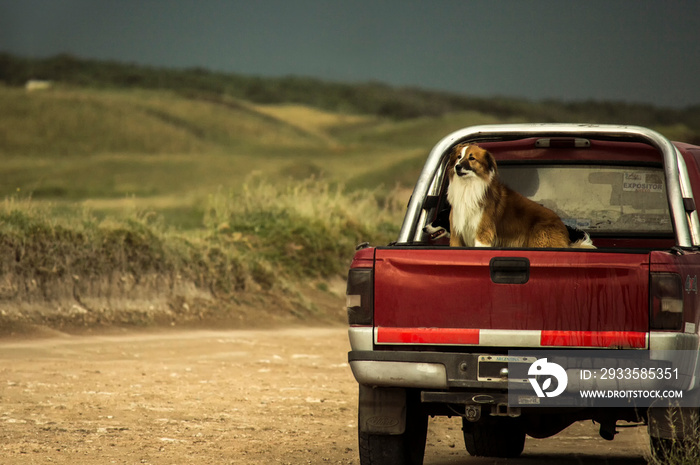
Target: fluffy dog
(440,228)
(487,213)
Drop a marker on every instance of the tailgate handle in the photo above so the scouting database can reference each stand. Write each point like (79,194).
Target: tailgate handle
(510,270)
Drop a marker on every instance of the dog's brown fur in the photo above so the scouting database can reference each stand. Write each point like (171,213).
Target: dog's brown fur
(487,213)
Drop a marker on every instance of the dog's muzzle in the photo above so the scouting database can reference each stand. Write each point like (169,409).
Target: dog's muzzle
(461,170)
(435,232)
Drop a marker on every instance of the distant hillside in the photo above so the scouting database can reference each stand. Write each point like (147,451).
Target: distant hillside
(75,121)
(107,130)
(367,98)
(192,193)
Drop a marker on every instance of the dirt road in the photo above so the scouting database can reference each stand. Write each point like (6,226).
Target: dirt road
(218,397)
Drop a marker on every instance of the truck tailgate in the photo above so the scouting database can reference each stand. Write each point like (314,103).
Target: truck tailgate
(526,298)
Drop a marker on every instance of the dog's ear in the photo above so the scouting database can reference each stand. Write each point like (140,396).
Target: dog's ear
(454,153)
(491,162)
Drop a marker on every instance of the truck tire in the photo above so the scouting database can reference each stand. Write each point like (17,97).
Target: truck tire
(494,437)
(397,449)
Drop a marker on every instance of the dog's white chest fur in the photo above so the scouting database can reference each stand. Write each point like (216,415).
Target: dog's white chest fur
(465,196)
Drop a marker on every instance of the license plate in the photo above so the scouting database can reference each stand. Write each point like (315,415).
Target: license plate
(491,368)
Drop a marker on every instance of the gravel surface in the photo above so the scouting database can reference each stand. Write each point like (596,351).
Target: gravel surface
(279,396)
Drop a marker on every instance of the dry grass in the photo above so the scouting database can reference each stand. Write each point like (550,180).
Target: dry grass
(308,229)
(263,239)
(315,122)
(66,121)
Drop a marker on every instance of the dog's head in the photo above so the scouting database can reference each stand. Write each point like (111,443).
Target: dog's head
(469,160)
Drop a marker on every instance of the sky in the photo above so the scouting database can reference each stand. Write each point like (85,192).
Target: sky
(643,51)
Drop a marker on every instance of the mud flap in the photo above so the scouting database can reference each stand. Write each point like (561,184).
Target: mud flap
(382,410)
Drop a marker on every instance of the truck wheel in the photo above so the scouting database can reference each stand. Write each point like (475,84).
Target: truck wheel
(397,449)
(494,437)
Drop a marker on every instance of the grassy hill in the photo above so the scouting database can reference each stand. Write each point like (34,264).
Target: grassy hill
(144,206)
(68,143)
(364,98)
(107,130)
(196,194)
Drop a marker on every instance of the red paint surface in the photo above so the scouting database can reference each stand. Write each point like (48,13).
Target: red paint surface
(567,291)
(617,339)
(453,336)
(471,336)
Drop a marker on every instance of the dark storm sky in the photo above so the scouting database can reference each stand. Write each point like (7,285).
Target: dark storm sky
(632,50)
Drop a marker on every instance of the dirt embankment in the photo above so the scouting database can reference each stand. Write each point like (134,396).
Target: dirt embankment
(75,305)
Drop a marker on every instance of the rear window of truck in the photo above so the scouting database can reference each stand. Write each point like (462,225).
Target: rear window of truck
(597,198)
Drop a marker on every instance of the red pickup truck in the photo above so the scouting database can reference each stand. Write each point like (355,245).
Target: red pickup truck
(431,326)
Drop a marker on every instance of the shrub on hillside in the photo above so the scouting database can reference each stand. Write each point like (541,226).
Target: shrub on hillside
(305,229)
(262,236)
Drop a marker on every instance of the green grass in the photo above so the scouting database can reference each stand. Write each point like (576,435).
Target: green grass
(68,121)
(71,144)
(111,190)
(303,229)
(262,240)
(417,132)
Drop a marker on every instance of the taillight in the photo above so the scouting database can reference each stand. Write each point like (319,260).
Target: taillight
(359,296)
(666,295)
